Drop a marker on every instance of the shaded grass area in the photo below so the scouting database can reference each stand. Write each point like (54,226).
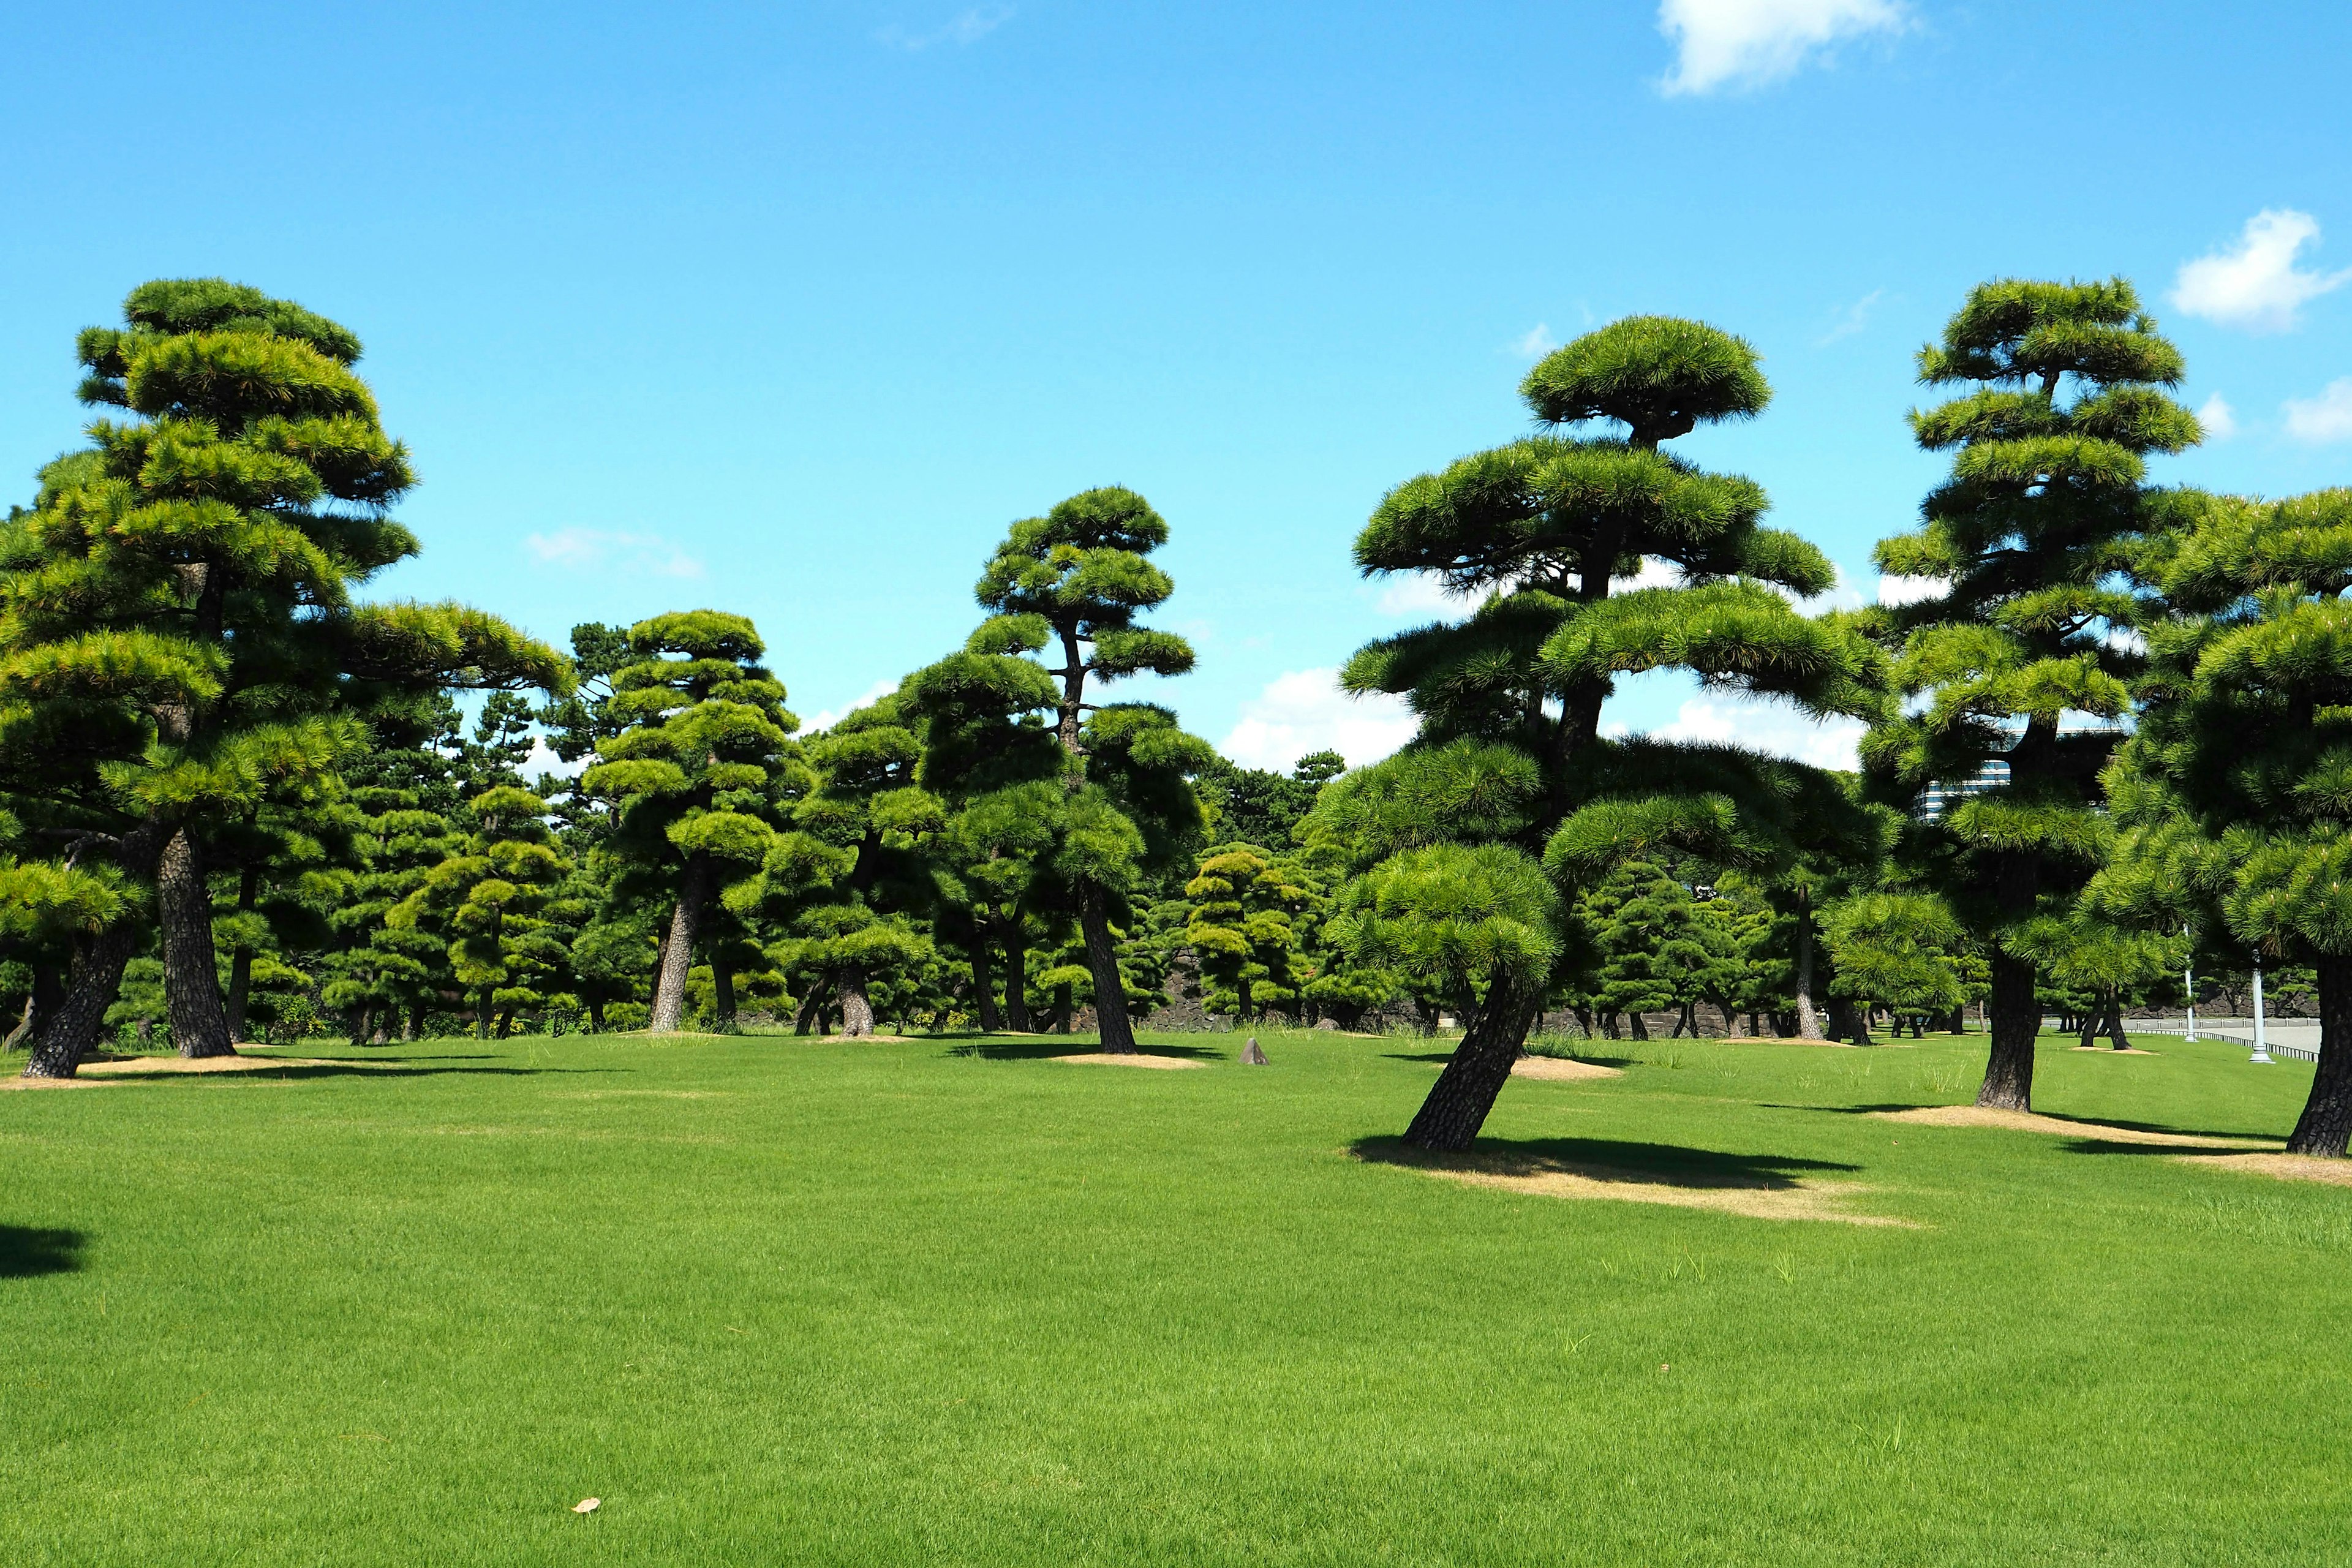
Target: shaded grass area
(776,1300)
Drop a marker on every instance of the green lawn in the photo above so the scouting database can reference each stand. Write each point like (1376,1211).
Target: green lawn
(785,1302)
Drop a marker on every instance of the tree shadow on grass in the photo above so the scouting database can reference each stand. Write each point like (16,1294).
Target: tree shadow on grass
(28,1250)
(278,1072)
(1040,1047)
(1605,1159)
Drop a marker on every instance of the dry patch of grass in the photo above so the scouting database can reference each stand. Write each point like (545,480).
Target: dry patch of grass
(21,1082)
(137,1067)
(2034,1121)
(1754,1197)
(1561,1070)
(2284,1167)
(1127,1059)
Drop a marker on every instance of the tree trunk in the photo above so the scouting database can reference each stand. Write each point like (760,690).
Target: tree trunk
(596,1016)
(412,1022)
(983,985)
(1808,1022)
(1640,1025)
(484,1012)
(723,994)
(1464,1092)
(66,1034)
(811,1011)
(2016,1021)
(677,952)
(48,991)
(191,972)
(240,958)
(1016,980)
(1110,992)
(849,995)
(2327,1120)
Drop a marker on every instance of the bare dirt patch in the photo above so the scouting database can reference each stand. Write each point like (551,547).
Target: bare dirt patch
(2284,1167)
(1753,1197)
(1561,1070)
(140,1067)
(2111,1051)
(2033,1121)
(1128,1060)
(866,1039)
(21,1082)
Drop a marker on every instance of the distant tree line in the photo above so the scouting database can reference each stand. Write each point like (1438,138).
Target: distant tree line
(2109,738)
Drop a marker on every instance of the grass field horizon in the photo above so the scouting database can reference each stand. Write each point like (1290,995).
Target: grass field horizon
(945,1301)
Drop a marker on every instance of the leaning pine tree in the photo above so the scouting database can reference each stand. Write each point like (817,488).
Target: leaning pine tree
(176,621)
(1509,757)
(1073,581)
(2026,545)
(695,774)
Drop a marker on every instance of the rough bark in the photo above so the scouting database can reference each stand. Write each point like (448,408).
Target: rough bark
(485,1012)
(61,1040)
(723,994)
(240,958)
(1016,981)
(849,995)
(1464,1092)
(191,971)
(1808,1022)
(2326,1123)
(2016,1021)
(677,951)
(983,985)
(1102,958)
(49,990)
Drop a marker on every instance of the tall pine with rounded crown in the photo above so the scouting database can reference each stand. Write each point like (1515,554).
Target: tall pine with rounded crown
(1544,532)
(2027,548)
(181,596)
(1075,582)
(694,775)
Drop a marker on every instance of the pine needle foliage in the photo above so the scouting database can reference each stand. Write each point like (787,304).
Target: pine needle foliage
(2030,546)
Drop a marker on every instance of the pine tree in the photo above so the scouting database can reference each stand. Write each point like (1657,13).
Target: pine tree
(1244,925)
(485,902)
(2045,507)
(1076,579)
(181,593)
(695,774)
(1510,751)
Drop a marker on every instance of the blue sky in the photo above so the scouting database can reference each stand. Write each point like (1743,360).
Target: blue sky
(789,309)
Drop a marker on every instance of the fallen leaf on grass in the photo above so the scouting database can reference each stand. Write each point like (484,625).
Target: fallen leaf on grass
(588,1505)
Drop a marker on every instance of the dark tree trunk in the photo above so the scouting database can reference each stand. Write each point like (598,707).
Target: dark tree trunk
(191,971)
(1808,1022)
(596,1016)
(240,958)
(361,1017)
(485,1013)
(2327,1120)
(48,991)
(983,985)
(1464,1092)
(412,1022)
(677,951)
(849,995)
(1016,980)
(1110,992)
(1641,1026)
(2016,1021)
(66,1034)
(723,994)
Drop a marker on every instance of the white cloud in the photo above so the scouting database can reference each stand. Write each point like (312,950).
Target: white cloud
(1423,594)
(964,27)
(2324,419)
(1749,43)
(1654,573)
(543,761)
(1910,590)
(1767,725)
(1304,710)
(625,554)
(2255,283)
(827,717)
(1536,345)
(1851,319)
(2220,420)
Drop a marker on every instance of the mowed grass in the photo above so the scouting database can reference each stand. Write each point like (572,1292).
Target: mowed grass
(777,1301)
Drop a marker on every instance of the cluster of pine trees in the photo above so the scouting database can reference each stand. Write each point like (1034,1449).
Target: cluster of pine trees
(2113,737)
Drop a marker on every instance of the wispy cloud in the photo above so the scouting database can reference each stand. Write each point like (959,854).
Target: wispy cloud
(2220,420)
(594,550)
(2256,283)
(964,27)
(2323,420)
(1910,590)
(1421,593)
(825,719)
(1848,320)
(1536,343)
(1304,712)
(1736,44)
(1767,725)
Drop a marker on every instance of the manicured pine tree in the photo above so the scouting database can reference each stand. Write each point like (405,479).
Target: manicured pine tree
(485,902)
(2233,795)
(190,575)
(1075,582)
(1510,751)
(2046,508)
(1244,925)
(696,776)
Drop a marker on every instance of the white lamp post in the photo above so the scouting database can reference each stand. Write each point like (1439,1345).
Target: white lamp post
(2189,980)
(2261,1053)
